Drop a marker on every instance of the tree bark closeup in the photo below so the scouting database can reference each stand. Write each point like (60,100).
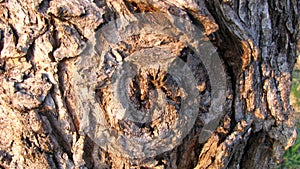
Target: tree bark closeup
(43,106)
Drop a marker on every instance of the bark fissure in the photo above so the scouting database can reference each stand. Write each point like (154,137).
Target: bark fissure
(63,89)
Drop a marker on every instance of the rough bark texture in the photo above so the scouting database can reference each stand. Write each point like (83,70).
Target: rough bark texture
(40,41)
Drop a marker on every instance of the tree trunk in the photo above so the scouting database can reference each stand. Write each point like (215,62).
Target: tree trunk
(56,95)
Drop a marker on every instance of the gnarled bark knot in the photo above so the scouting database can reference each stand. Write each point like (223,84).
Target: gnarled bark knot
(143,80)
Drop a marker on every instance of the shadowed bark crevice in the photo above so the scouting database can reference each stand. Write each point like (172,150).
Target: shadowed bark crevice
(259,143)
(1,40)
(55,42)
(63,146)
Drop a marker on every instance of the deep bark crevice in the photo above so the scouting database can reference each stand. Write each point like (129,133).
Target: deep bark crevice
(259,142)
(52,160)
(56,42)
(64,90)
(15,34)
(1,40)
(230,49)
(57,134)
(44,6)
(87,155)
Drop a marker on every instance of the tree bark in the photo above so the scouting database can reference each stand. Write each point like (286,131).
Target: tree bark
(40,111)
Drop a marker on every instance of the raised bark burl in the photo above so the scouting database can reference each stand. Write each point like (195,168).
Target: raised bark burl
(144,93)
(72,68)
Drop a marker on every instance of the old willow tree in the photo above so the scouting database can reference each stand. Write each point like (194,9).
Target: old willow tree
(146,83)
